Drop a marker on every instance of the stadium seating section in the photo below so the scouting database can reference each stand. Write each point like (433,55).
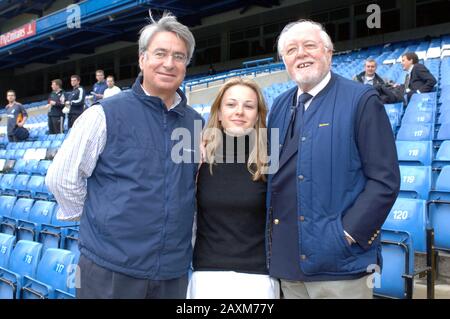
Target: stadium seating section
(38,252)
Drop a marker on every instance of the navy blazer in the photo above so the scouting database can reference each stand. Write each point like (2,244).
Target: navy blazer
(421,79)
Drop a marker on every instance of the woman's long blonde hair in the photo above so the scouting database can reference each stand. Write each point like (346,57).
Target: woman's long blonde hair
(212,134)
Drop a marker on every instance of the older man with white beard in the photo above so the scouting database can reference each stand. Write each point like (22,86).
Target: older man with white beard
(338,174)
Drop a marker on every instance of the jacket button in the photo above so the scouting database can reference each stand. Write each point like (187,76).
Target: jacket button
(276,221)
(303,138)
(378,231)
(372,238)
(370,242)
(302,218)
(303,257)
(301,177)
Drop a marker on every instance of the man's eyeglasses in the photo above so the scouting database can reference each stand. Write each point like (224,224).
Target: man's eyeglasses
(292,50)
(163,54)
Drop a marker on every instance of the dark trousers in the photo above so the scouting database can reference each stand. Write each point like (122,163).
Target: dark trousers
(72,119)
(12,138)
(99,283)
(55,124)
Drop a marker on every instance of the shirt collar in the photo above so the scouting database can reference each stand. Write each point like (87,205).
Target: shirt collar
(410,69)
(176,100)
(319,87)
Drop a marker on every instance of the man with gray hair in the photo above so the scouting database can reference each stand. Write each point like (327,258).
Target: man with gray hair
(338,174)
(115,172)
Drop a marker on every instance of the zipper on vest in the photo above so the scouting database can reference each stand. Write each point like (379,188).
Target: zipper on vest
(166,200)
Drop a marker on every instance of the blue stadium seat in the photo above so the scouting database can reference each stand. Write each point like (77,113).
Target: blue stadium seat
(416,132)
(7,183)
(27,145)
(439,210)
(20,185)
(21,210)
(444,132)
(53,235)
(415,181)
(46,144)
(22,262)
(19,166)
(53,272)
(398,260)
(414,152)
(42,167)
(60,137)
(18,154)
(418,117)
(6,245)
(41,213)
(443,155)
(36,186)
(37,144)
(56,144)
(6,205)
(3,154)
(409,215)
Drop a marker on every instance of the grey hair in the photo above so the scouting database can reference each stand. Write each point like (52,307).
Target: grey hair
(293,26)
(167,23)
(370,60)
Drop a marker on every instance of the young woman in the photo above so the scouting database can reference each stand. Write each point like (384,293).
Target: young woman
(229,253)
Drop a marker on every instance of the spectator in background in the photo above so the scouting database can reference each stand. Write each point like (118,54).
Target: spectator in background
(369,75)
(418,79)
(75,99)
(112,89)
(211,70)
(116,172)
(99,88)
(56,106)
(16,115)
(338,174)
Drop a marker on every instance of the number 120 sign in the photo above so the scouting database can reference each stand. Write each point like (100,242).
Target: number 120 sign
(25,31)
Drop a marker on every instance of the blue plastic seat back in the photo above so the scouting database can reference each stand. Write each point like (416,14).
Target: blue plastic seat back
(7,181)
(20,166)
(439,214)
(6,205)
(56,144)
(42,212)
(443,153)
(6,246)
(25,257)
(18,154)
(21,182)
(414,152)
(43,166)
(396,262)
(409,215)
(418,117)
(416,132)
(444,132)
(46,144)
(54,268)
(415,181)
(36,184)
(22,208)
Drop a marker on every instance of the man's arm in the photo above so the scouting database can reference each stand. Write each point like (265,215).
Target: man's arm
(378,154)
(75,161)
(24,116)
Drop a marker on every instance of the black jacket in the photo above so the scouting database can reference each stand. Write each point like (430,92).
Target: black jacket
(58,97)
(421,79)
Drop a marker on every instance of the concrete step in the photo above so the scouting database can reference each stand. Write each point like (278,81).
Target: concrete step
(441,290)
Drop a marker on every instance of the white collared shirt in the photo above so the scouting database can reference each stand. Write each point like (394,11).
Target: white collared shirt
(315,90)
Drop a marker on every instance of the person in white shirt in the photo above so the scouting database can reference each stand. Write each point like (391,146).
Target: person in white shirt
(112,89)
